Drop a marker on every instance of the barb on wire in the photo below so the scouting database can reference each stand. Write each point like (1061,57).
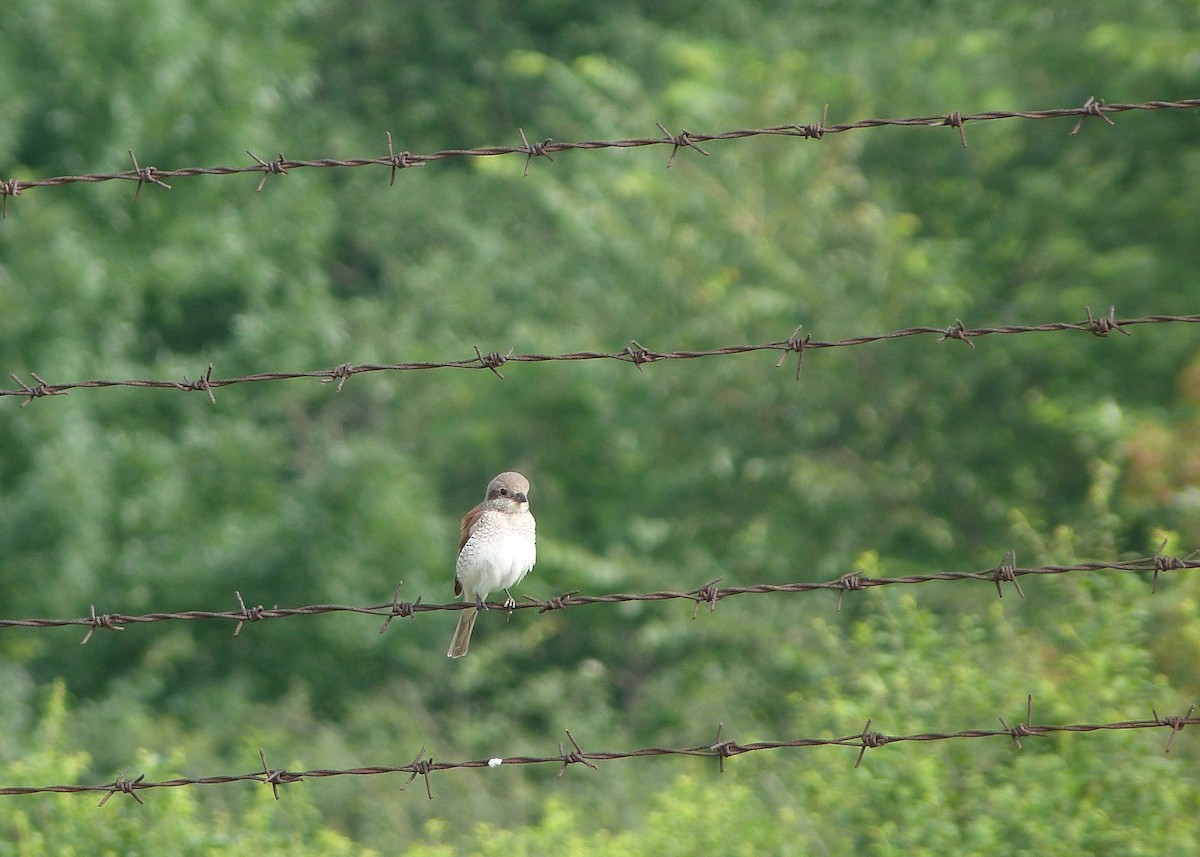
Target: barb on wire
(147,175)
(274,777)
(709,594)
(635,353)
(400,161)
(548,147)
(31,393)
(721,749)
(123,785)
(1091,107)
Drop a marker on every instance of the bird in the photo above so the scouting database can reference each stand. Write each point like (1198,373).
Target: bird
(496,549)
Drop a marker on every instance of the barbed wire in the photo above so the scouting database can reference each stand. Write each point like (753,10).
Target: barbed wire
(635,353)
(720,749)
(548,147)
(710,594)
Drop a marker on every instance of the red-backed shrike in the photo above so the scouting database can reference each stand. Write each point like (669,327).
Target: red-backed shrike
(496,550)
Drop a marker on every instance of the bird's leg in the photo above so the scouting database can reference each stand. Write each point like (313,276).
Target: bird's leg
(509,602)
(479,605)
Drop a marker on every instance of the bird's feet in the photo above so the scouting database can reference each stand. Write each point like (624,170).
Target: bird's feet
(479,603)
(510,603)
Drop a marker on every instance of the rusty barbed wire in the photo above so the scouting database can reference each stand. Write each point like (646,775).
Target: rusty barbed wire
(635,353)
(547,147)
(708,594)
(720,749)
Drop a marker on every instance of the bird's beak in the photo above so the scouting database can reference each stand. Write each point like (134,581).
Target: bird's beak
(521,498)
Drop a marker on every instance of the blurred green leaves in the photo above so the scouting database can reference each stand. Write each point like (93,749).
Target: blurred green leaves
(902,454)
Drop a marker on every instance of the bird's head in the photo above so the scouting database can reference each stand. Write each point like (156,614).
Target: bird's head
(508,492)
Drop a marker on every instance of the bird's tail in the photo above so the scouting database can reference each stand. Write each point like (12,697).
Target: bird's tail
(462,633)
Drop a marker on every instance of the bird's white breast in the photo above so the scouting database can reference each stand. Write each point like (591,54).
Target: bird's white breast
(500,551)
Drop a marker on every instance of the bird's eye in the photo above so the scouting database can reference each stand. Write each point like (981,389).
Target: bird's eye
(503,492)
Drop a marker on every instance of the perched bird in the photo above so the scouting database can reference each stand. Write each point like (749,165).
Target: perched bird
(496,550)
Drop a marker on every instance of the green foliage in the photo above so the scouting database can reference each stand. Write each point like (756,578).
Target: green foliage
(897,457)
(915,672)
(172,819)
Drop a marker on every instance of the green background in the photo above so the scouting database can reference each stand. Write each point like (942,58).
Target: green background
(895,458)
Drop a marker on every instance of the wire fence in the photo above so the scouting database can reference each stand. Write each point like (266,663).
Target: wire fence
(635,353)
(548,147)
(710,594)
(720,749)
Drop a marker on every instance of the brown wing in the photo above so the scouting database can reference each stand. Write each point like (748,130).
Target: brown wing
(465,527)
